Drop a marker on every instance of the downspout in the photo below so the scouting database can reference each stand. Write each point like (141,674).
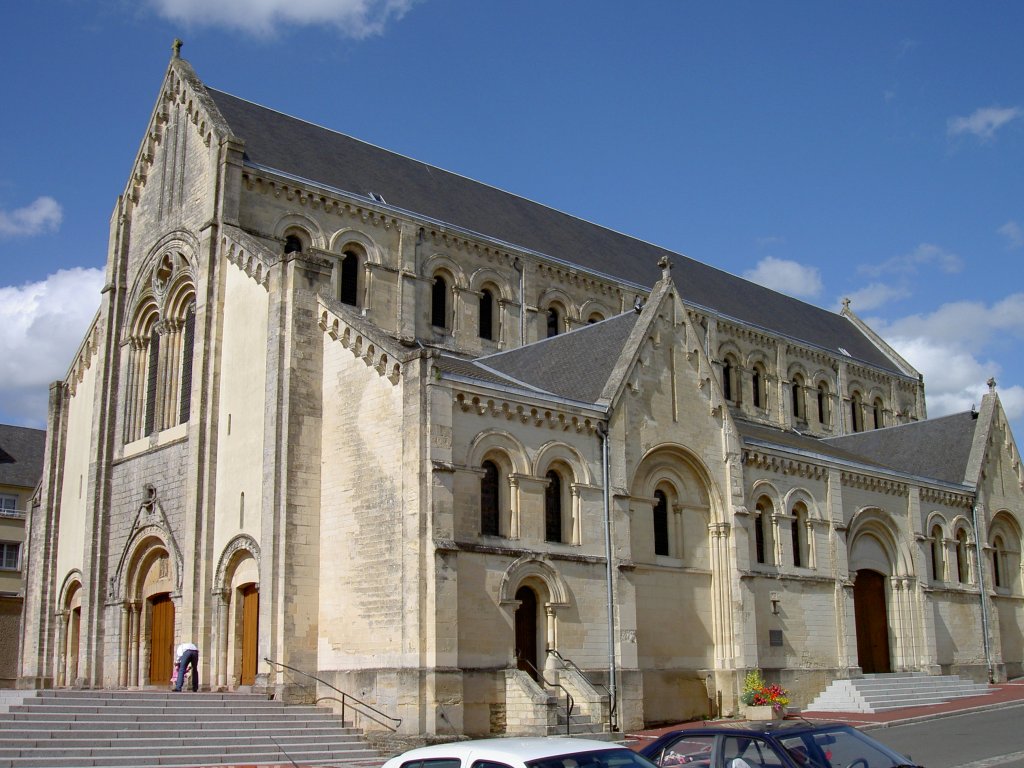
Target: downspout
(602,432)
(983,596)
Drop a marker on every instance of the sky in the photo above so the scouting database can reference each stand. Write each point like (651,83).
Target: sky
(870,150)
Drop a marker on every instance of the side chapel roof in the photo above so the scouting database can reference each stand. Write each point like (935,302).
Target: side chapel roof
(285,144)
(21,455)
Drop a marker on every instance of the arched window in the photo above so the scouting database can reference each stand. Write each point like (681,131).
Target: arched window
(595,317)
(187,351)
(554,321)
(151,381)
(760,388)
(878,412)
(799,536)
(439,302)
(349,288)
(661,543)
(937,554)
(856,412)
(797,393)
(730,386)
(824,414)
(486,324)
(292,244)
(962,574)
(997,561)
(490,500)
(763,531)
(553,507)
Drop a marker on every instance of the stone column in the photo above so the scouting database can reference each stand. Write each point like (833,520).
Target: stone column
(513,528)
(576,514)
(223,602)
(133,645)
(122,656)
(62,647)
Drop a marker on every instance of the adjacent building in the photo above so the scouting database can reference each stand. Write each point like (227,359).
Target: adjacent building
(431,442)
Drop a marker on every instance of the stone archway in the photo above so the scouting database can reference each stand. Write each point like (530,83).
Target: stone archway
(235,642)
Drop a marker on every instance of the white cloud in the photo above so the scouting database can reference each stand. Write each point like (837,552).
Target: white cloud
(787,277)
(951,347)
(41,327)
(873,296)
(925,255)
(983,122)
(1013,233)
(353,18)
(42,215)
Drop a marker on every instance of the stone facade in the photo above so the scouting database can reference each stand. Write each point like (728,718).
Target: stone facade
(296,435)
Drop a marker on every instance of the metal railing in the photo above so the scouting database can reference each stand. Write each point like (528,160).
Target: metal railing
(569,663)
(347,700)
(570,702)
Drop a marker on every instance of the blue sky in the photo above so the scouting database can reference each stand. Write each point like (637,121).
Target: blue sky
(871,150)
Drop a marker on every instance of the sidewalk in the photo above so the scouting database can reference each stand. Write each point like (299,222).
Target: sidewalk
(1000,695)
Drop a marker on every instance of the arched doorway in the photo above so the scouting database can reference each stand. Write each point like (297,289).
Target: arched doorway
(871,617)
(161,639)
(250,594)
(526,631)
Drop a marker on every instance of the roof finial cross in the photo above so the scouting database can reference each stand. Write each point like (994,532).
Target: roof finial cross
(846,304)
(991,384)
(666,267)
(176,47)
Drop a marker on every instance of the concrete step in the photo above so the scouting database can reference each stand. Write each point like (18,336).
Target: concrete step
(877,693)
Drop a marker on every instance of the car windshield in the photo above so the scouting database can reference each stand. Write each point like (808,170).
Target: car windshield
(616,757)
(840,747)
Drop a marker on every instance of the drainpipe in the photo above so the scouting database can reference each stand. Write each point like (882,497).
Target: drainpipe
(983,595)
(602,432)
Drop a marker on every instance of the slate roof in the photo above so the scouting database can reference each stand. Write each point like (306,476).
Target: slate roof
(574,365)
(938,448)
(21,455)
(286,144)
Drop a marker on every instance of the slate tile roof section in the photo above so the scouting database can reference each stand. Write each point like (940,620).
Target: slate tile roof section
(758,434)
(574,365)
(21,455)
(937,448)
(277,141)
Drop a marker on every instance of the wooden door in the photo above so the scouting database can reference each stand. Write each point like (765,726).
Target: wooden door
(872,622)
(161,640)
(250,632)
(526,631)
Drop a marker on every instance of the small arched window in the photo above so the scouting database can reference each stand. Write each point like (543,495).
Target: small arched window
(439,302)
(961,556)
(878,412)
(762,531)
(151,380)
(486,323)
(997,561)
(595,317)
(349,289)
(187,350)
(759,383)
(661,543)
(292,244)
(824,416)
(797,393)
(730,390)
(799,536)
(937,554)
(490,500)
(554,321)
(553,507)
(856,412)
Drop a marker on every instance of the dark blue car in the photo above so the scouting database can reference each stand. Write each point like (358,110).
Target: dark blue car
(786,743)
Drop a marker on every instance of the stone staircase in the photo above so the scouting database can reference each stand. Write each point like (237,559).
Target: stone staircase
(581,725)
(64,728)
(877,693)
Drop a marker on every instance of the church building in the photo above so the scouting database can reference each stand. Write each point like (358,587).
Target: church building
(347,415)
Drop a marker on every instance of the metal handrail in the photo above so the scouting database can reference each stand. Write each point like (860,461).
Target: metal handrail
(570,702)
(346,699)
(611,697)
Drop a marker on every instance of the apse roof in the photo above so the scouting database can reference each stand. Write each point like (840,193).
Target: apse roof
(285,144)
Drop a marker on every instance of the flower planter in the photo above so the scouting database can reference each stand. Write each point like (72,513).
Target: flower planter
(763,712)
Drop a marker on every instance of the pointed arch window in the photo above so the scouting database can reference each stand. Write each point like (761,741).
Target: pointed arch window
(553,507)
(486,323)
(490,499)
(349,288)
(661,538)
(439,302)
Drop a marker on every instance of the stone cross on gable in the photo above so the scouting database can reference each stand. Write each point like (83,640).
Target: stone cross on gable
(176,47)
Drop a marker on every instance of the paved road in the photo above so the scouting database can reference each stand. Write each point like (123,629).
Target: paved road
(980,740)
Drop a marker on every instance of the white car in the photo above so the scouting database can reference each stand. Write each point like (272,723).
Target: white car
(554,752)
